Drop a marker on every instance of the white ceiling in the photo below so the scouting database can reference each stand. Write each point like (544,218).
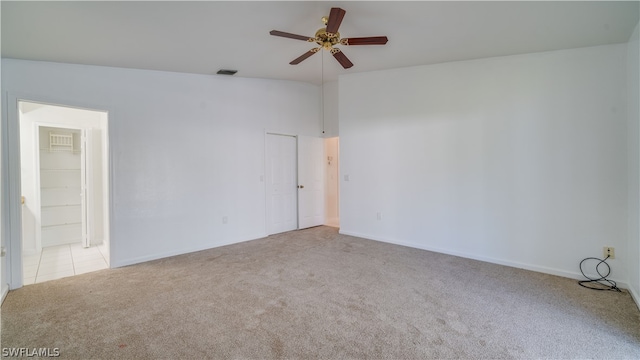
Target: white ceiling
(203,37)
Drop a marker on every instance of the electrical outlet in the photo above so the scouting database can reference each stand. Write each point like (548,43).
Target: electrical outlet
(379,216)
(608,251)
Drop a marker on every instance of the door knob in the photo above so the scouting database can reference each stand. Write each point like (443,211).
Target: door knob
(300,186)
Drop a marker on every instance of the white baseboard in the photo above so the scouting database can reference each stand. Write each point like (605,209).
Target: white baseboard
(5,291)
(541,269)
(332,222)
(97,242)
(635,296)
(141,259)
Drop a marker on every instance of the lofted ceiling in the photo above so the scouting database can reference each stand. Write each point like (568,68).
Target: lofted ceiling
(205,36)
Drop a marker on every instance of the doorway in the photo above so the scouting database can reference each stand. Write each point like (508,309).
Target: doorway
(62,177)
(63,167)
(295,183)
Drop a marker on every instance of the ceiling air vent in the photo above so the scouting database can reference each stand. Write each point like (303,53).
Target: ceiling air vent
(226,72)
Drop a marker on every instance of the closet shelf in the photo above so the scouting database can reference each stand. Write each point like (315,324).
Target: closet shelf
(60,225)
(58,206)
(73,151)
(61,142)
(61,188)
(60,169)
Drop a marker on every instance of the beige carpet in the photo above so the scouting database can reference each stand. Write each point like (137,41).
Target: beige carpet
(317,294)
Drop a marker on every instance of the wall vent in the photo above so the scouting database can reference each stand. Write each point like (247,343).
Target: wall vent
(226,72)
(60,142)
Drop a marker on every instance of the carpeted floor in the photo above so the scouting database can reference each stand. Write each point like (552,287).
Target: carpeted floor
(317,294)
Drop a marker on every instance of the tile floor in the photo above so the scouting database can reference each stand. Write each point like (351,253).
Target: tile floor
(60,261)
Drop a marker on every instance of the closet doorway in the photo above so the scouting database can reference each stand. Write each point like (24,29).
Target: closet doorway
(63,208)
(294,182)
(64,182)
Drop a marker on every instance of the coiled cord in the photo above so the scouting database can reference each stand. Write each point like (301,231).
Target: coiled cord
(601,283)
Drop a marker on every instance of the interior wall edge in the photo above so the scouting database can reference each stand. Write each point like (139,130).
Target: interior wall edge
(633,148)
(5,291)
(634,295)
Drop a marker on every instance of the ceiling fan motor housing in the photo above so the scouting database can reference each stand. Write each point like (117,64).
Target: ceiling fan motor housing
(325,39)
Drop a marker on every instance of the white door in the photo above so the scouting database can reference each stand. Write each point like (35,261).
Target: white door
(281,184)
(310,182)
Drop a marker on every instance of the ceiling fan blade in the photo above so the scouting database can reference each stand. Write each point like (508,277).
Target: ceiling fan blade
(335,19)
(304,56)
(342,58)
(371,40)
(290,36)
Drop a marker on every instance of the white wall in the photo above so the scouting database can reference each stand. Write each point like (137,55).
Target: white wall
(633,136)
(185,149)
(332,182)
(30,209)
(4,279)
(516,160)
(330,107)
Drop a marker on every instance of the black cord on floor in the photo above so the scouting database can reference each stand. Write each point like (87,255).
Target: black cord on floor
(601,283)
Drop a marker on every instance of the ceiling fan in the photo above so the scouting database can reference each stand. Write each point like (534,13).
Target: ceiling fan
(329,36)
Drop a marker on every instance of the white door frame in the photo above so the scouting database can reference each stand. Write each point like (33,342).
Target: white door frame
(87,186)
(12,200)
